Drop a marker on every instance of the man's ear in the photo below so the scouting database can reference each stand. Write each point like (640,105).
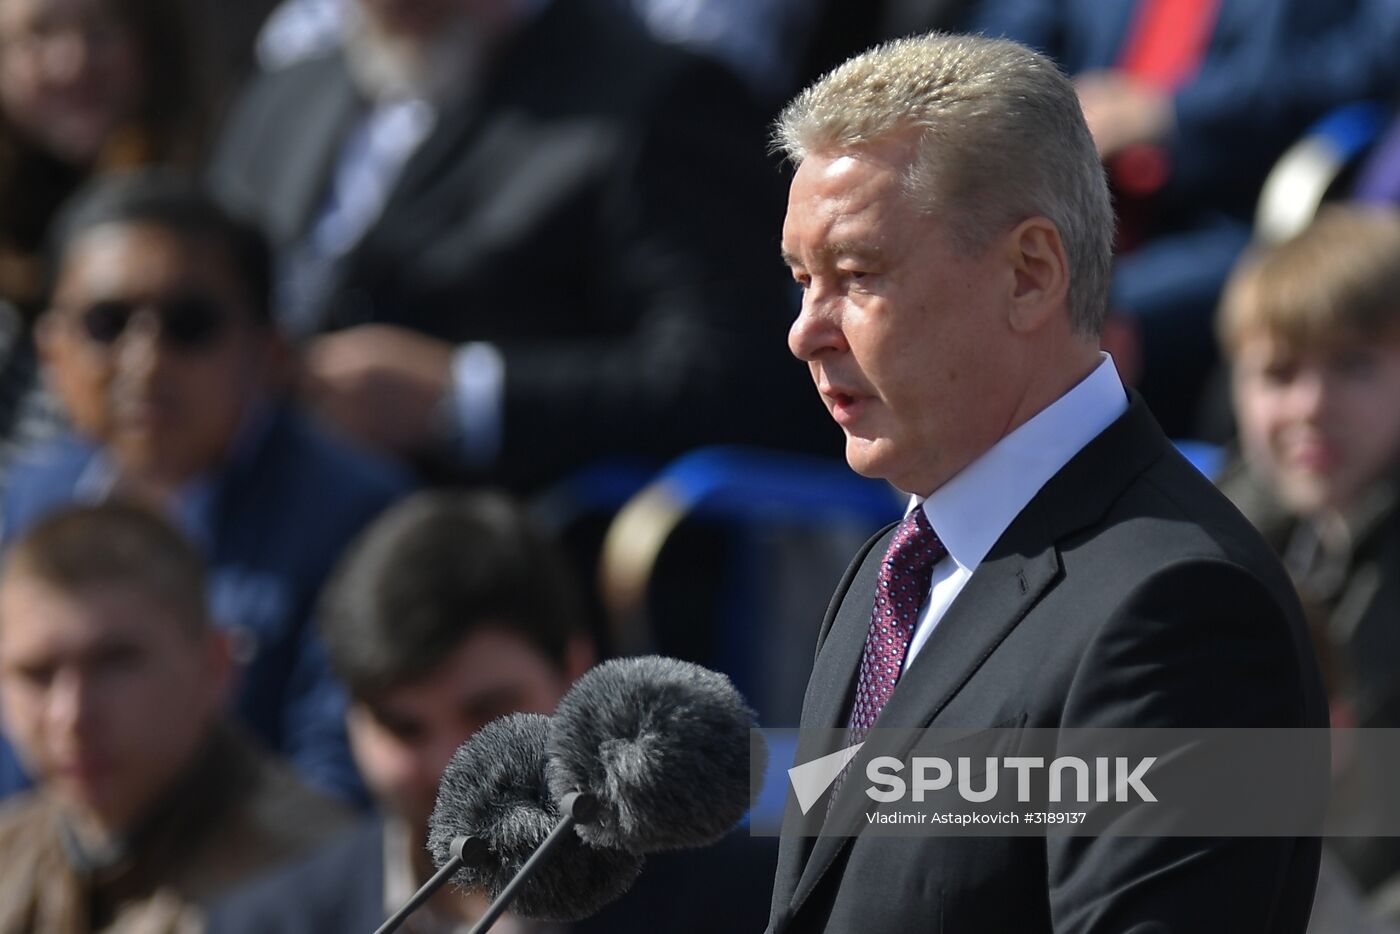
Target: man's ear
(1040,274)
(220,667)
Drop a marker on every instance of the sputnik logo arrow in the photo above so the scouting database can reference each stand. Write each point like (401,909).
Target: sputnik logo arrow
(811,779)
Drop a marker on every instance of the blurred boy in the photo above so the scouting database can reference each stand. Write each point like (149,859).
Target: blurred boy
(112,690)
(1312,330)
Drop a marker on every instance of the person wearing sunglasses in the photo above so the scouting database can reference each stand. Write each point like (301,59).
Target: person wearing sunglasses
(159,342)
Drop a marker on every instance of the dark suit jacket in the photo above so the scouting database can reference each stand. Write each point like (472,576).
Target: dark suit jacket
(1128,593)
(340,890)
(603,211)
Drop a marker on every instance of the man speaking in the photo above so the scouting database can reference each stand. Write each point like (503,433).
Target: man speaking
(1060,566)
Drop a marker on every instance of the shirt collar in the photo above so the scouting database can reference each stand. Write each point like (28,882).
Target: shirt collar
(398,868)
(972,510)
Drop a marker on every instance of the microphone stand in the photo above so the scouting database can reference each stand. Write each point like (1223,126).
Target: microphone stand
(577,807)
(462,849)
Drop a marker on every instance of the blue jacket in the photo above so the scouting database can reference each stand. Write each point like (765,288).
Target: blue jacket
(273,522)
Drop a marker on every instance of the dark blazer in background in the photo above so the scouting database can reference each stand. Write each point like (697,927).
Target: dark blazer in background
(1353,602)
(1128,593)
(603,210)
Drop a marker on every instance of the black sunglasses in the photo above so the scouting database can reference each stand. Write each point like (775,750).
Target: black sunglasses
(187,322)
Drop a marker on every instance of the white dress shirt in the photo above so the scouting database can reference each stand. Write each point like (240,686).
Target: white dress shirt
(972,510)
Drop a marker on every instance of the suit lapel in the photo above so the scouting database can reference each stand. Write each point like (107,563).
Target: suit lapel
(300,184)
(834,673)
(1008,582)
(477,139)
(829,690)
(1021,567)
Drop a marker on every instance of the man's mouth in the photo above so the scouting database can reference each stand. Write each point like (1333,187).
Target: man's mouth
(845,405)
(143,410)
(1314,457)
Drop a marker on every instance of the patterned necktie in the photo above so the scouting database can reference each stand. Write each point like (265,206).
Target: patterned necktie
(902,586)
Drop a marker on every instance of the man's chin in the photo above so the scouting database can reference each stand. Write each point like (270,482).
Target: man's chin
(165,454)
(867,456)
(1309,497)
(878,459)
(96,810)
(143,457)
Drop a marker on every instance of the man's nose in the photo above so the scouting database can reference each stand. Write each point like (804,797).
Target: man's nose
(68,55)
(1311,394)
(70,703)
(139,348)
(816,331)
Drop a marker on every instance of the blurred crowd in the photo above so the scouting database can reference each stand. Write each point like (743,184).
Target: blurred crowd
(310,309)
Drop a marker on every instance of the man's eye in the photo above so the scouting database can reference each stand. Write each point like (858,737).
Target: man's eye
(404,729)
(1356,364)
(34,676)
(119,658)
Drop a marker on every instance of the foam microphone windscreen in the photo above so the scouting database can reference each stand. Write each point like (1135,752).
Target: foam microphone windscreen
(494,790)
(664,745)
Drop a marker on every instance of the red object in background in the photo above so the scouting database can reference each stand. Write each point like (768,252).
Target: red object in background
(1168,41)
(1165,48)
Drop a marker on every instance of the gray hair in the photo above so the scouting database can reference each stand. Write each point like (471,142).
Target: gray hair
(1001,139)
